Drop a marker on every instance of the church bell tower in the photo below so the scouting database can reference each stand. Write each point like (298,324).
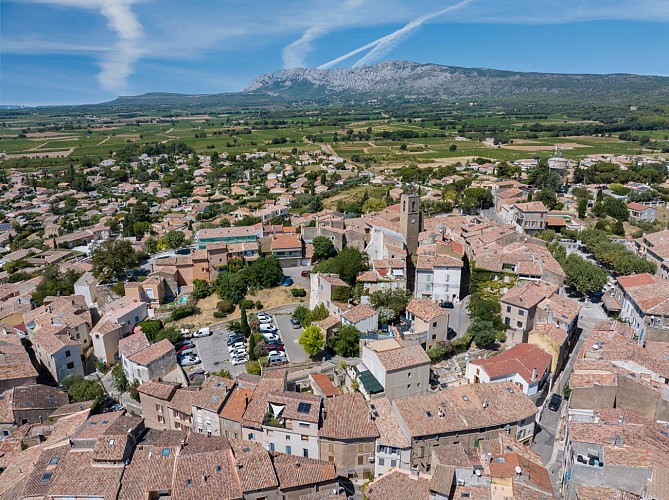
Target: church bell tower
(410,221)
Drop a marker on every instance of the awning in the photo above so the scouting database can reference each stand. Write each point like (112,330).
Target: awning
(370,383)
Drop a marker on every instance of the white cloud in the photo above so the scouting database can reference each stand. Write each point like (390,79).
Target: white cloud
(118,64)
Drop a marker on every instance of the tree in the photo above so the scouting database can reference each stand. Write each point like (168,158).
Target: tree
(547,197)
(119,380)
(483,332)
(617,228)
(396,299)
(54,282)
(323,248)
(318,313)
(616,208)
(201,289)
(300,314)
(452,147)
(81,389)
(373,205)
(386,315)
(151,245)
(252,347)
(222,373)
(583,275)
(232,287)
(244,321)
(582,207)
(260,350)
(346,342)
(175,239)
(113,258)
(171,334)
(312,340)
(347,264)
(151,328)
(438,352)
(264,273)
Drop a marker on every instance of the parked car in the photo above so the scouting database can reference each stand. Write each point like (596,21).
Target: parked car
(185,351)
(447,305)
(555,402)
(240,351)
(304,273)
(287,281)
(276,347)
(295,323)
(186,342)
(240,360)
(271,337)
(235,339)
(203,332)
(236,345)
(185,333)
(276,357)
(190,361)
(268,328)
(265,321)
(264,316)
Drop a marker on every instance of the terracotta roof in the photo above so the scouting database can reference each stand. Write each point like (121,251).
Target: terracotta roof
(399,485)
(563,309)
(467,407)
(425,309)
(14,359)
(77,478)
(295,471)
(347,417)
(181,400)
(206,475)
(254,466)
(529,294)
(294,405)
(333,279)
(38,396)
(453,455)
(151,469)
(395,356)
(520,359)
(255,412)
(132,344)
(324,384)
(432,261)
(359,313)
(153,353)
(159,390)
(212,394)
(327,323)
(637,207)
(236,404)
(531,206)
(286,242)
(390,433)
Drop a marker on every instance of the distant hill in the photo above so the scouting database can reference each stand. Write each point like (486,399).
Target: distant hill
(409,79)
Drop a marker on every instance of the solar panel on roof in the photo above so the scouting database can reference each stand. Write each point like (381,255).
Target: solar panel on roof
(5,226)
(304,408)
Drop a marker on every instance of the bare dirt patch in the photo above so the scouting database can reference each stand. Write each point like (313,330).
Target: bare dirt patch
(545,147)
(33,154)
(270,298)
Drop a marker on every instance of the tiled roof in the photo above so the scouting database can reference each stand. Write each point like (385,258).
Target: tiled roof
(132,344)
(327,323)
(532,206)
(153,353)
(395,356)
(650,293)
(207,475)
(236,404)
(390,433)
(347,417)
(76,477)
(464,408)
(159,390)
(71,408)
(96,425)
(286,242)
(425,309)
(563,309)
(254,466)
(212,394)
(292,401)
(38,396)
(520,359)
(181,400)
(325,384)
(432,261)
(255,412)
(150,469)
(333,279)
(452,455)
(359,313)
(529,295)
(442,479)
(295,471)
(399,485)
(14,359)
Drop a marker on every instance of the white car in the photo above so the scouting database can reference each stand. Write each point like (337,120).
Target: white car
(240,360)
(262,317)
(271,337)
(202,332)
(236,345)
(190,361)
(265,328)
(265,321)
(185,332)
(238,352)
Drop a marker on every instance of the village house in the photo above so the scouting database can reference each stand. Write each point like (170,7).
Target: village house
(287,248)
(528,218)
(655,248)
(323,291)
(363,317)
(519,306)
(119,320)
(438,278)
(143,361)
(427,323)
(402,370)
(641,212)
(527,366)
(15,365)
(644,299)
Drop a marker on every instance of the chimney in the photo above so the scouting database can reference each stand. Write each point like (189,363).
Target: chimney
(297,464)
(534,373)
(485,403)
(414,471)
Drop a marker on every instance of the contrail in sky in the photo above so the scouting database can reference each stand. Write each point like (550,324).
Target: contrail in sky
(386,43)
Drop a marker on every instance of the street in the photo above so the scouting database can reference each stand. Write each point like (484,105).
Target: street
(458,317)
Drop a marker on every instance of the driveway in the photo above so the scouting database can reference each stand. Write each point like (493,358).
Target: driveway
(458,317)
(289,335)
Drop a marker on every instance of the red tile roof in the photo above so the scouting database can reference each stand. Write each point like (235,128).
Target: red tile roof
(521,359)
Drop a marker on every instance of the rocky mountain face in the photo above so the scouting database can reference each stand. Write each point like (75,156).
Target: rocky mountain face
(408,79)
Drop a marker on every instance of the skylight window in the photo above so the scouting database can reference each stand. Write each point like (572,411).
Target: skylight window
(428,413)
(111,442)
(53,461)
(219,469)
(47,476)
(165,452)
(304,408)
(465,398)
(189,482)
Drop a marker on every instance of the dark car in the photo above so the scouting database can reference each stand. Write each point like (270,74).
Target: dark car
(447,305)
(288,281)
(295,323)
(304,273)
(275,347)
(555,402)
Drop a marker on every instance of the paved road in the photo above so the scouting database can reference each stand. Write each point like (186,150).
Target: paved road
(296,274)
(289,335)
(544,439)
(458,317)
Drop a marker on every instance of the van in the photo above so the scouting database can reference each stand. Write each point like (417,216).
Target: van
(270,337)
(187,352)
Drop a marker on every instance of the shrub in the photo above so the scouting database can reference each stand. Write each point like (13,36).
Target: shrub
(298,292)
(183,312)
(248,304)
(253,367)
(220,315)
(119,289)
(225,306)
(259,305)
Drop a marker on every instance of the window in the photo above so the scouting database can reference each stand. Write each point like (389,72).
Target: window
(418,384)
(519,323)
(47,476)
(111,442)
(393,463)
(287,438)
(303,425)
(409,374)
(70,365)
(361,460)
(289,450)
(159,408)
(521,312)
(305,453)
(408,386)
(161,419)
(434,337)
(382,461)
(428,287)
(434,324)
(361,447)
(508,309)
(53,461)
(271,447)
(252,436)
(507,321)
(68,353)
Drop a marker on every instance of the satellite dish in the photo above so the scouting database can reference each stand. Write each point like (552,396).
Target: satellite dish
(518,469)
(478,472)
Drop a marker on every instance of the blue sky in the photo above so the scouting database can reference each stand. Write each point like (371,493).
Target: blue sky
(83,51)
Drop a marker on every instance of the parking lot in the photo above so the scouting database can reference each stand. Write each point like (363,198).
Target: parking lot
(213,350)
